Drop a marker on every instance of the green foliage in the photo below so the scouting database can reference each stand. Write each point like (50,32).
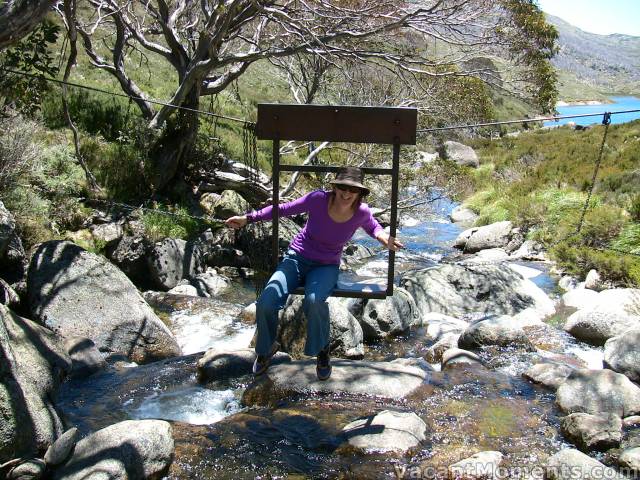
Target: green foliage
(629,239)
(17,150)
(541,180)
(171,222)
(578,260)
(533,41)
(45,201)
(94,113)
(601,225)
(31,55)
(119,168)
(634,211)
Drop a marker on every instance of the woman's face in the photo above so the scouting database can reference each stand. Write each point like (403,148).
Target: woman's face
(346,195)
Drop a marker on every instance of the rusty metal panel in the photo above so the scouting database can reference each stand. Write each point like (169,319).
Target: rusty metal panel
(383,125)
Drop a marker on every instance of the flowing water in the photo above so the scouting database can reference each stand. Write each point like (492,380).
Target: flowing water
(466,410)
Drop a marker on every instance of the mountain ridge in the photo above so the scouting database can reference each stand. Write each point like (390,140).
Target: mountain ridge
(591,66)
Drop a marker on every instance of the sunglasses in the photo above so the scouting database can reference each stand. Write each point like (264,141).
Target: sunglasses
(348,188)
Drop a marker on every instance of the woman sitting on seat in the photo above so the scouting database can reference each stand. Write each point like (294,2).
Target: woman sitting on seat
(313,260)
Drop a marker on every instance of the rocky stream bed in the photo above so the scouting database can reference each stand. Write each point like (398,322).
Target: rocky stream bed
(479,366)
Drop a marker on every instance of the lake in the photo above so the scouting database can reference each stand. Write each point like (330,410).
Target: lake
(620,104)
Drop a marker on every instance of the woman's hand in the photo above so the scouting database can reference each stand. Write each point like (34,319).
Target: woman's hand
(236,222)
(390,243)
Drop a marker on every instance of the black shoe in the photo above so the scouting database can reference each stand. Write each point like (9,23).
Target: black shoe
(262,362)
(323,364)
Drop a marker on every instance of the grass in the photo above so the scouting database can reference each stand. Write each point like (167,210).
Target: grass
(541,181)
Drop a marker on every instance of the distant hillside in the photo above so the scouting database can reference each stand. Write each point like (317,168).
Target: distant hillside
(591,64)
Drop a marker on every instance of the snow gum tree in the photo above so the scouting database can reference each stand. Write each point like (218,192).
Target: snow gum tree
(211,43)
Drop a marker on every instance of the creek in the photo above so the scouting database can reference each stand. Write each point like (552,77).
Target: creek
(465,410)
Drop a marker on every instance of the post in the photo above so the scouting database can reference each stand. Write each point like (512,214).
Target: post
(275,172)
(394,214)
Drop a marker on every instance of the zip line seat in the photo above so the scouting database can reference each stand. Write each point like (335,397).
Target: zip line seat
(394,126)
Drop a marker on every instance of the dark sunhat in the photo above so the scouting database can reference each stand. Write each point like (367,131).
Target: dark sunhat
(351,176)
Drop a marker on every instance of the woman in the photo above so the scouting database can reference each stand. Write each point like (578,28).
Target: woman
(313,260)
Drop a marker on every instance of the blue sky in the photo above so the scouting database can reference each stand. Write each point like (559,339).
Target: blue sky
(597,16)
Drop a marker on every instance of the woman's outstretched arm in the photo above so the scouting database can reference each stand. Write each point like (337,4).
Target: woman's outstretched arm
(375,230)
(388,241)
(295,207)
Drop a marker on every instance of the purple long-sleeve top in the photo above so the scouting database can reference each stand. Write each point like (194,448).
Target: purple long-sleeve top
(322,238)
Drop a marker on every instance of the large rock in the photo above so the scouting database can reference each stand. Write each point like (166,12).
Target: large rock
(173,259)
(130,256)
(387,431)
(482,465)
(598,391)
(208,201)
(78,293)
(32,365)
(210,284)
(490,255)
(8,296)
(438,325)
(255,241)
(60,450)
(530,250)
(222,364)
(593,281)
(592,432)
(549,374)
(460,153)
(391,316)
(570,464)
(12,253)
(32,469)
(599,324)
(459,357)
(496,235)
(229,204)
(355,377)
(580,298)
(435,352)
(345,331)
(458,290)
(85,357)
(622,354)
(630,458)
(107,234)
(7,229)
(353,254)
(499,331)
(127,450)
(463,215)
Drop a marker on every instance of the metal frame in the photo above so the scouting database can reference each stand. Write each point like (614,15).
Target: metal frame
(383,125)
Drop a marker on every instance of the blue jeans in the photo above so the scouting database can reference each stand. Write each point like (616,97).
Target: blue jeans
(319,280)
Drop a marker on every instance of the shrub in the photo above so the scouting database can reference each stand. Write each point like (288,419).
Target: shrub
(94,113)
(119,168)
(172,222)
(634,210)
(17,150)
(629,239)
(612,266)
(45,201)
(527,212)
(601,225)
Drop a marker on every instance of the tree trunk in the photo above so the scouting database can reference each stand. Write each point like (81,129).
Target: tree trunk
(19,17)
(174,145)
